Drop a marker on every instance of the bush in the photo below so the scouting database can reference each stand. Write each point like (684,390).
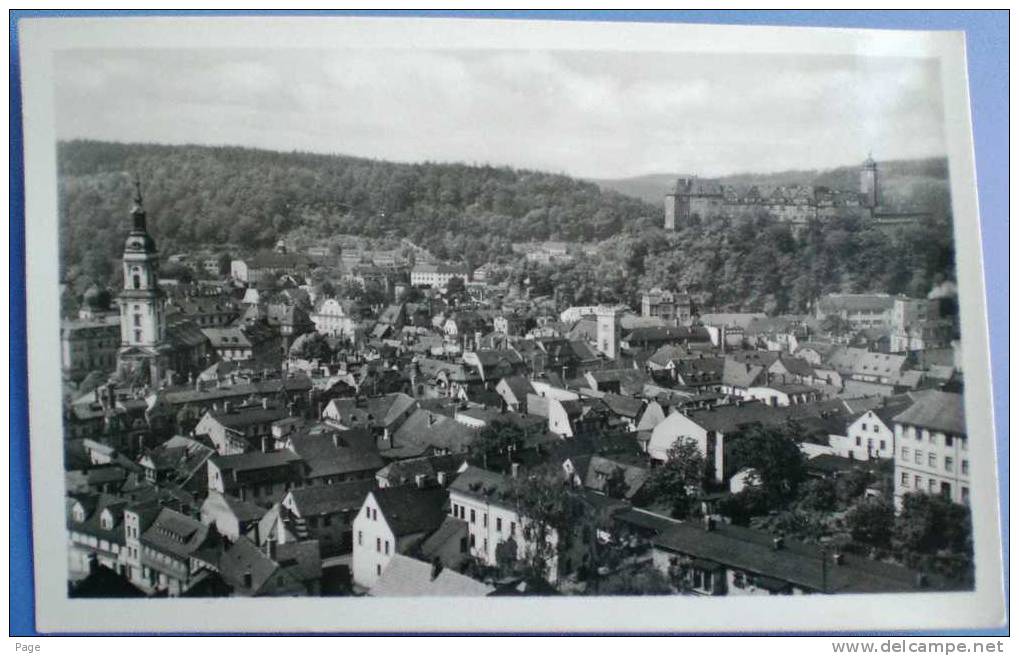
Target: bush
(871,521)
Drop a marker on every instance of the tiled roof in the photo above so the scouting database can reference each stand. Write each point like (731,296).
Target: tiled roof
(327,499)
(936,410)
(408,577)
(409,509)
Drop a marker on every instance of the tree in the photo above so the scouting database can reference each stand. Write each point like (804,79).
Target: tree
(776,457)
(851,485)
(455,287)
(497,437)
(745,504)
(871,521)
(551,515)
(223,263)
(311,346)
(818,494)
(930,523)
(616,485)
(671,482)
(836,326)
(646,581)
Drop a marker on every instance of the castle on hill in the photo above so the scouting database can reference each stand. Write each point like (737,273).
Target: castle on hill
(694,199)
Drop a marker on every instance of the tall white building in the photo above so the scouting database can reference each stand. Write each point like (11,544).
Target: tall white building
(932,448)
(143,344)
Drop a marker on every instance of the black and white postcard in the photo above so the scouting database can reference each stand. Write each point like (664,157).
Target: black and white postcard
(579,326)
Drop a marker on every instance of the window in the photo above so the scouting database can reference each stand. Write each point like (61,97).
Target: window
(378,545)
(917,482)
(513,528)
(965,495)
(456,510)
(498,524)
(486,545)
(883,445)
(965,466)
(137,335)
(949,464)
(863,426)
(905,479)
(905,453)
(875,428)
(473,518)
(137,281)
(378,570)
(948,440)
(932,460)
(918,457)
(932,485)
(857,440)
(387,547)
(137,319)
(360,536)
(472,541)
(463,545)
(484,520)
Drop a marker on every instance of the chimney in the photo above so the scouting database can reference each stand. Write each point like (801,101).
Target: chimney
(419,480)
(837,558)
(515,469)
(247,578)
(228,407)
(709,523)
(778,543)
(436,568)
(265,403)
(441,476)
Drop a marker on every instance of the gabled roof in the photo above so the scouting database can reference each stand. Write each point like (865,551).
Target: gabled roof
(409,509)
(327,499)
(402,472)
(796,563)
(376,411)
(409,577)
(624,406)
(428,429)
(175,533)
(739,374)
(326,451)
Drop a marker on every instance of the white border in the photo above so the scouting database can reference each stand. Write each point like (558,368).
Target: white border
(56,613)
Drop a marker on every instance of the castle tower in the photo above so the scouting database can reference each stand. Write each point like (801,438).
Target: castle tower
(143,347)
(609,329)
(868,183)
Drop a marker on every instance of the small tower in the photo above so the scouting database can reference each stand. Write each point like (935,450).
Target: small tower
(609,328)
(868,183)
(142,312)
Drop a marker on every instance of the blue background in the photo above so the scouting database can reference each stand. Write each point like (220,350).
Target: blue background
(987,53)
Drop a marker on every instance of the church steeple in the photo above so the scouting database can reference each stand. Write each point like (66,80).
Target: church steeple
(138,209)
(142,312)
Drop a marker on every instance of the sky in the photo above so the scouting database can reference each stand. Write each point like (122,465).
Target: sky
(596,114)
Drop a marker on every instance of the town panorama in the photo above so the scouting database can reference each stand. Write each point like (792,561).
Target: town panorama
(741,388)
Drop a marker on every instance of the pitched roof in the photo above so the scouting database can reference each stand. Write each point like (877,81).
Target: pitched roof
(409,577)
(796,562)
(175,533)
(327,499)
(739,374)
(933,409)
(481,483)
(402,472)
(302,560)
(327,451)
(428,429)
(409,509)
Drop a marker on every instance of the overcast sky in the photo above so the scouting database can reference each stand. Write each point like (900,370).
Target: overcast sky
(592,114)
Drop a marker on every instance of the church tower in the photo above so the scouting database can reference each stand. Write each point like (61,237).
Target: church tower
(868,183)
(143,347)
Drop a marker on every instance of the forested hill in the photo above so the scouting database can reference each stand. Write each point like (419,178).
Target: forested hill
(212,196)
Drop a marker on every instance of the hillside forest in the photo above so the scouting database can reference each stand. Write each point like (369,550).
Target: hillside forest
(233,201)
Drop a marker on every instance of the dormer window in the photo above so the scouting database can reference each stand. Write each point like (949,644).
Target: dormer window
(106,520)
(78,513)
